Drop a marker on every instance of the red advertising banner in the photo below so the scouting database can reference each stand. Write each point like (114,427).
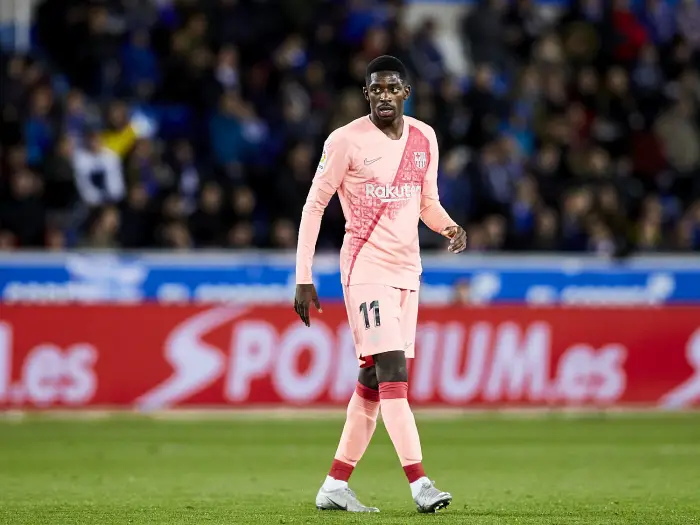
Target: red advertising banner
(154,357)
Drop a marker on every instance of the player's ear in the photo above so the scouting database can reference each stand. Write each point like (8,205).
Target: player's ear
(365,93)
(406,92)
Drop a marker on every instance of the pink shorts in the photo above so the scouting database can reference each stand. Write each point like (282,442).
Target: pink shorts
(382,319)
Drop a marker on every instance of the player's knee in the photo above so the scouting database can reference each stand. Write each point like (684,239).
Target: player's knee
(368,377)
(391,367)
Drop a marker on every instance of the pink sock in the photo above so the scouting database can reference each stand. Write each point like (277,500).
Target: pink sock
(360,423)
(401,425)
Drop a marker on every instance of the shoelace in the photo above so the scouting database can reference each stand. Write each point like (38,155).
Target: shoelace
(351,492)
(354,496)
(430,490)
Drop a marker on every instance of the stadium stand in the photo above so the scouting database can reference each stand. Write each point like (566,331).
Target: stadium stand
(186,124)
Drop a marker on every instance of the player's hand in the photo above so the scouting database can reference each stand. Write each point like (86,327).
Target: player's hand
(305,295)
(458,238)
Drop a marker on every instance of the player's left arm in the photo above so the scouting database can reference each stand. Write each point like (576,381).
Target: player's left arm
(431,211)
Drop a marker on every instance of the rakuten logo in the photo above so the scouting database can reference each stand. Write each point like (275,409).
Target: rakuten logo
(388,193)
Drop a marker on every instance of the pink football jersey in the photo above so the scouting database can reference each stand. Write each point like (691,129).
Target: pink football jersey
(384,186)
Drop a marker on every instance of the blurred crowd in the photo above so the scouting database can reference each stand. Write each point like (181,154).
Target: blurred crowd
(198,123)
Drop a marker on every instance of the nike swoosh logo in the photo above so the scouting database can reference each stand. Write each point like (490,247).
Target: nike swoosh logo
(372,161)
(340,507)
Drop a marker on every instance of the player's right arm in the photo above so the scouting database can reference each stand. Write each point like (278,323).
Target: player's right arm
(334,164)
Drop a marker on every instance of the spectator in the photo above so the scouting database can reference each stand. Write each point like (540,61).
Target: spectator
(678,131)
(95,57)
(577,207)
(207,222)
(176,236)
(629,31)
(98,173)
(427,56)
(648,77)
(495,178)
(242,210)
(39,130)
(104,228)
(600,238)
(294,185)
(235,129)
(187,173)
(659,20)
(551,172)
(690,227)
(13,85)
(649,235)
(241,236)
(137,219)
(452,117)
(284,235)
(616,110)
(60,191)
(56,240)
(546,234)
(119,135)
(145,165)
(495,226)
(454,186)
(140,66)
(291,55)
(226,69)
(524,23)
(689,23)
(478,239)
(22,215)
(611,210)
(486,107)
(524,213)
(75,119)
(485,34)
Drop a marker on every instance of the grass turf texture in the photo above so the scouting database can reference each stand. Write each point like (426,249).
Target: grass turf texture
(553,470)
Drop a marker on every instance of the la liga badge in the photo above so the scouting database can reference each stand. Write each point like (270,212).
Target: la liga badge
(322,162)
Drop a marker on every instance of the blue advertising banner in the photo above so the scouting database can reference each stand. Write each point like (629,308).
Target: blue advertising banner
(269,278)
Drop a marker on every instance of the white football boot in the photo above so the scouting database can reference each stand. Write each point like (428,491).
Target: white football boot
(341,499)
(430,499)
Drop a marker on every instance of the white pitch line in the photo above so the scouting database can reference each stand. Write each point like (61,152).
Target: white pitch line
(291,414)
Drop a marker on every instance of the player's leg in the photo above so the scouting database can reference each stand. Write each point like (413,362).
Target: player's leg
(392,375)
(360,423)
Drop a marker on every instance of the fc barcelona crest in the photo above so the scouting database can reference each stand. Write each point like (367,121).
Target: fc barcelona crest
(420,159)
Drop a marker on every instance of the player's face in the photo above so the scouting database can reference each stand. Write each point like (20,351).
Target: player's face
(386,94)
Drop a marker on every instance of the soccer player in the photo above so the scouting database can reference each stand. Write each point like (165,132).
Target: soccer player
(384,167)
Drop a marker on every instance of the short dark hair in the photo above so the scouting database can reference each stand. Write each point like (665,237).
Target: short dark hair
(386,63)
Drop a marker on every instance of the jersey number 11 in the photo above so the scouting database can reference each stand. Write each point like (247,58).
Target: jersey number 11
(373,306)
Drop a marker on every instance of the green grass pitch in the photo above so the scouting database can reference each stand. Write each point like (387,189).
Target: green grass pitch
(592,470)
